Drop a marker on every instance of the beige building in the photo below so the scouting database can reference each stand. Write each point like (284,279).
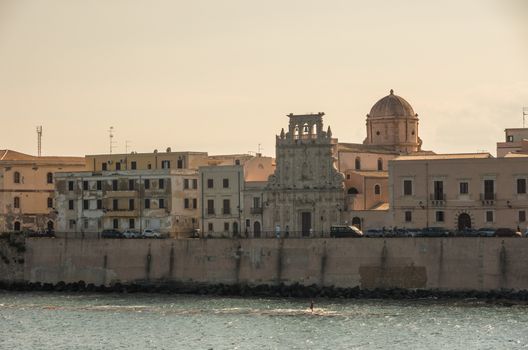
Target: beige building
(232,197)
(165,200)
(26,189)
(516,141)
(458,191)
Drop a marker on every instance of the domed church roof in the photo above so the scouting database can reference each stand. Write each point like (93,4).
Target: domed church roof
(391,105)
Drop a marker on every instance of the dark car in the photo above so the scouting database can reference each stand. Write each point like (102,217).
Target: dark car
(486,232)
(414,232)
(434,232)
(111,233)
(469,232)
(344,231)
(374,233)
(506,232)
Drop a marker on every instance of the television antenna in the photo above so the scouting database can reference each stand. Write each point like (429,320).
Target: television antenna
(111,136)
(39,140)
(525,114)
(127,144)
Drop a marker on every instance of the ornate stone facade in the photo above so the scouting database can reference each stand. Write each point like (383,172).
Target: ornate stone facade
(305,196)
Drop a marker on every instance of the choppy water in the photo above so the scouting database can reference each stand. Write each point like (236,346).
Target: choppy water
(152,321)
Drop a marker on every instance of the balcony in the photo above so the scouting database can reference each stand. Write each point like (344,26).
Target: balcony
(256,210)
(226,211)
(210,211)
(488,198)
(437,199)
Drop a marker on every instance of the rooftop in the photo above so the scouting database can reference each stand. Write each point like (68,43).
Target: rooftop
(10,155)
(446,156)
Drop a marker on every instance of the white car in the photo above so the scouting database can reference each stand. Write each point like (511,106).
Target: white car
(148,233)
(131,234)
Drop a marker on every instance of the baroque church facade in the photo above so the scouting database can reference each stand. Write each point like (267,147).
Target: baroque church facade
(319,182)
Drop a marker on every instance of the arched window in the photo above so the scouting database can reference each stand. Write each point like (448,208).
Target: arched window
(358,163)
(16,202)
(380,164)
(377,189)
(16,226)
(16,177)
(356,222)
(352,190)
(49,178)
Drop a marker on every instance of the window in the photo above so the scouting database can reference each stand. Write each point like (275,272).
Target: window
(186,203)
(104,167)
(227,206)
(438,188)
(131,205)
(358,163)
(50,202)
(72,224)
(210,206)
(149,166)
(161,184)
(210,227)
(99,185)
(256,202)
(70,204)
(348,176)
(225,183)
(85,186)
(521,186)
(195,203)
(99,204)
(118,166)
(147,184)
(509,138)
(180,163)
(380,164)
(377,189)
(131,185)
(407,187)
(16,177)
(85,223)
(522,215)
(115,204)
(439,216)
(237,161)
(464,188)
(489,216)
(114,185)
(195,183)
(408,216)
(226,226)
(131,223)
(133,165)
(49,178)
(16,202)
(489,189)
(116,223)
(185,184)
(161,203)
(70,185)
(16,226)
(165,164)
(147,203)
(86,204)
(210,183)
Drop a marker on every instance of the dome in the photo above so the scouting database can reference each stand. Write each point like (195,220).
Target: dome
(391,105)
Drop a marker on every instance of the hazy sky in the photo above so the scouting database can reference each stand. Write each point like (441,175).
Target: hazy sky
(221,75)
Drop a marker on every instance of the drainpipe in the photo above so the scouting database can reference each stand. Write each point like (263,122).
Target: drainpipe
(427,195)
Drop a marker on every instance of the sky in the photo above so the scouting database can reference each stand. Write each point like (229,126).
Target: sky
(221,76)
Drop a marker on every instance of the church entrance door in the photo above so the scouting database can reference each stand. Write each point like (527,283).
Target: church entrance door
(464,222)
(306,223)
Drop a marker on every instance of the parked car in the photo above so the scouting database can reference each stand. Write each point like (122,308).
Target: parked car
(434,232)
(149,233)
(342,231)
(468,232)
(111,233)
(131,234)
(373,233)
(414,232)
(486,232)
(400,232)
(506,232)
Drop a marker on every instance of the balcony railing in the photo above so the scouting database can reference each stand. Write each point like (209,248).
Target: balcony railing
(256,210)
(226,211)
(488,198)
(210,211)
(437,199)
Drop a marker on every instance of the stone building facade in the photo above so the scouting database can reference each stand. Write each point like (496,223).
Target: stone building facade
(27,187)
(305,195)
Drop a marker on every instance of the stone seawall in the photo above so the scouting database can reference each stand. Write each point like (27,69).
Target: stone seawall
(455,264)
